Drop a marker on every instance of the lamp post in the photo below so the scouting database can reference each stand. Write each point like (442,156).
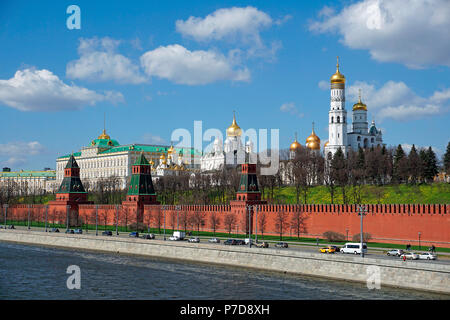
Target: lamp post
(67,217)
(256,224)
(96,220)
(117,220)
(362,212)
(420,248)
(29,217)
(46,214)
(6,209)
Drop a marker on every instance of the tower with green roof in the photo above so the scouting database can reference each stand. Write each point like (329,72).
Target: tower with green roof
(140,191)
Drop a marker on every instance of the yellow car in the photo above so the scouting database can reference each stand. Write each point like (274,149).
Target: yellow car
(327,250)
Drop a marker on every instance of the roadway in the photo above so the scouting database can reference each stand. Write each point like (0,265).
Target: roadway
(379,253)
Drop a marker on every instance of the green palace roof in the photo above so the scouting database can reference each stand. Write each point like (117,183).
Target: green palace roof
(29,174)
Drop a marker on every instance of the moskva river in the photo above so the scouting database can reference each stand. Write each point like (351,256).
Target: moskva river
(35,272)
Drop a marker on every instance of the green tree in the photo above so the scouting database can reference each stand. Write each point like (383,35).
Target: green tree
(414,165)
(430,165)
(446,160)
(400,167)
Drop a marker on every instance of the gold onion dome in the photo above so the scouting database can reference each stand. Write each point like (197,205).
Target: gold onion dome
(326,143)
(295,145)
(162,157)
(313,141)
(234,130)
(359,105)
(337,77)
(170,150)
(104,135)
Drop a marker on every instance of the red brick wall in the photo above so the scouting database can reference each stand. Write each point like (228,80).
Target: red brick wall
(386,223)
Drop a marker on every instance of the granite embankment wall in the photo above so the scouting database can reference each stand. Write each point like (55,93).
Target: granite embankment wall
(391,223)
(403,274)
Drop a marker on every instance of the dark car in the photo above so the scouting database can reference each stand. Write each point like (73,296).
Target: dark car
(11,227)
(54,230)
(336,249)
(70,231)
(230,242)
(134,234)
(240,242)
(107,233)
(281,245)
(78,231)
(148,236)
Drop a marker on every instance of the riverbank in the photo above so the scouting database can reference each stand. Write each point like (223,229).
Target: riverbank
(401,274)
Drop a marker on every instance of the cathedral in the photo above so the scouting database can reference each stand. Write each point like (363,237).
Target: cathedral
(360,135)
(232,152)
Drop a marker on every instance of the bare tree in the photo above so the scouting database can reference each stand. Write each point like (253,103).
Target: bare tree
(298,222)
(281,222)
(214,221)
(229,222)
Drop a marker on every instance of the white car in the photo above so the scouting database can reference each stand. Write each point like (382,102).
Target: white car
(427,256)
(172,238)
(395,252)
(353,247)
(410,255)
(196,240)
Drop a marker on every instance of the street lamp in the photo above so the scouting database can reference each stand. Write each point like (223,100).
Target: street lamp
(117,220)
(67,217)
(46,214)
(249,208)
(420,248)
(96,220)
(362,213)
(6,209)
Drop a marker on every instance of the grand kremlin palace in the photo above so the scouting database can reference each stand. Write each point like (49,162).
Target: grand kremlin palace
(105,157)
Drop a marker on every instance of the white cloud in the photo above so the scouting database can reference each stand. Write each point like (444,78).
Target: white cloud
(408,32)
(179,65)
(324,85)
(100,62)
(290,108)
(17,153)
(397,101)
(41,90)
(244,23)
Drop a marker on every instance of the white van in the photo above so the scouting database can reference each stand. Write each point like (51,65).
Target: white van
(353,247)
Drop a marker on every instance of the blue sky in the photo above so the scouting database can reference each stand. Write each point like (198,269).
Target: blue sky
(138,63)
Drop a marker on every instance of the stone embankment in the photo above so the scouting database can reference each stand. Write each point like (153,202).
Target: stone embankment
(408,274)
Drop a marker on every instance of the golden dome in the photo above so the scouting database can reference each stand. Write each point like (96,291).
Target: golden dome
(337,77)
(170,149)
(234,130)
(295,145)
(359,105)
(162,157)
(104,135)
(326,143)
(313,141)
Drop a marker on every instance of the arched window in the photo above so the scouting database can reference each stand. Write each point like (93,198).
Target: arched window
(332,119)
(343,120)
(338,119)
(359,138)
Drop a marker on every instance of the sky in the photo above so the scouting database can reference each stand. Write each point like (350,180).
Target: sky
(151,67)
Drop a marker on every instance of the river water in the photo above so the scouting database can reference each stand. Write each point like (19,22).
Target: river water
(36,272)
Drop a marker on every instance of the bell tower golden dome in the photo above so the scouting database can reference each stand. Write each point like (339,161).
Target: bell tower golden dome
(359,105)
(295,145)
(337,77)
(234,130)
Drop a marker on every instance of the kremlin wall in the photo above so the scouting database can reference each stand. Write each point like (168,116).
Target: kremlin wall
(392,223)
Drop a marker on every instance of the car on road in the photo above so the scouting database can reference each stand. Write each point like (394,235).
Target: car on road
(230,242)
(194,239)
(354,247)
(240,242)
(54,230)
(70,231)
(263,244)
(148,236)
(134,234)
(107,233)
(395,252)
(328,249)
(174,238)
(281,245)
(336,248)
(214,240)
(78,231)
(11,227)
(427,256)
(410,255)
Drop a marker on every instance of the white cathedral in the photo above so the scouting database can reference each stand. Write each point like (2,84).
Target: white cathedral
(360,136)
(232,152)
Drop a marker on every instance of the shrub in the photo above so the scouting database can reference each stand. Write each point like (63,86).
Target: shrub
(366,237)
(333,236)
(141,227)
